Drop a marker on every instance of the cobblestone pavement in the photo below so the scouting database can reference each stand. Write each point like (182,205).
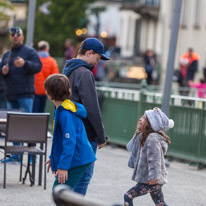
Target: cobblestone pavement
(112,178)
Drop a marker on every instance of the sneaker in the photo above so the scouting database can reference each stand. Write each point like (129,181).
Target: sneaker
(12,160)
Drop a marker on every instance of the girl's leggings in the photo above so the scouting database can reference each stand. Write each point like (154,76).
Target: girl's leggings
(143,189)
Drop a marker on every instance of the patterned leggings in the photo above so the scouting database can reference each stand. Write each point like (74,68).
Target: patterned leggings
(142,189)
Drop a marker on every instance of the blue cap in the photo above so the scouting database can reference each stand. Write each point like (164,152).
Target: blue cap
(95,45)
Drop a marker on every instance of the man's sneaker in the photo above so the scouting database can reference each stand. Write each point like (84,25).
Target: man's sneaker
(12,160)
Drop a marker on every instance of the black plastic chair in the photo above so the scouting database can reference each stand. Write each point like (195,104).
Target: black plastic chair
(27,128)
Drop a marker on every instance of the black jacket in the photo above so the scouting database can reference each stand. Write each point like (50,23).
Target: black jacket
(19,82)
(84,91)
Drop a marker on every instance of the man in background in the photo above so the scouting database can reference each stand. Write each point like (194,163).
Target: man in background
(188,68)
(49,66)
(69,52)
(17,68)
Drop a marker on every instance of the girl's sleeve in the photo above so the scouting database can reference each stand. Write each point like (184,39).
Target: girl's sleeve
(67,124)
(153,157)
(133,147)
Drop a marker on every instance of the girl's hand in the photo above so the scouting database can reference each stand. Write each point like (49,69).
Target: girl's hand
(62,176)
(152,182)
(49,165)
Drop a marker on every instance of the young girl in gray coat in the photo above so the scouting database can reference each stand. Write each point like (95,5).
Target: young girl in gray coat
(148,147)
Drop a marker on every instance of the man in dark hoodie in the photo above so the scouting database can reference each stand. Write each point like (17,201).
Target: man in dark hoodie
(79,72)
(17,68)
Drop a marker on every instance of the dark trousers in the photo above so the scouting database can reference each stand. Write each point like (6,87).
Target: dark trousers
(39,103)
(143,189)
(74,175)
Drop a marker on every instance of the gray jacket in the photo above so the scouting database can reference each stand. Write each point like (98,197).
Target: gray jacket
(84,91)
(148,161)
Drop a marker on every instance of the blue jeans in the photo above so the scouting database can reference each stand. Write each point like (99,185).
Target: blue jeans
(24,104)
(82,185)
(74,175)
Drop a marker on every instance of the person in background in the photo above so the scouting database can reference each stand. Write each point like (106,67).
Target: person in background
(18,67)
(188,68)
(69,52)
(148,147)
(149,64)
(100,71)
(49,66)
(79,72)
(71,153)
(201,87)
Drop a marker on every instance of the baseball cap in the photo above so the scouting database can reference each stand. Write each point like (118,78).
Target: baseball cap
(95,45)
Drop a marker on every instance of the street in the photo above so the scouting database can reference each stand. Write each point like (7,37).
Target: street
(186,185)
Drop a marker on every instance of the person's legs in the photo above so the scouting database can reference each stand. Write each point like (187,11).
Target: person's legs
(82,185)
(12,105)
(74,175)
(26,104)
(42,105)
(136,191)
(36,104)
(39,103)
(143,189)
(158,196)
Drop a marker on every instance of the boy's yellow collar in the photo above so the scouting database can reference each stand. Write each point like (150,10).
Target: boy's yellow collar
(69,105)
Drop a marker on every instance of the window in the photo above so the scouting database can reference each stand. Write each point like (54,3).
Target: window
(184,14)
(197,14)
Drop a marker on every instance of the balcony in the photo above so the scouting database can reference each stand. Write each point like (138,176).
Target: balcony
(144,7)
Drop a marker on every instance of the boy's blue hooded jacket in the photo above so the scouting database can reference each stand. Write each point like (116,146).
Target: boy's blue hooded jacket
(70,146)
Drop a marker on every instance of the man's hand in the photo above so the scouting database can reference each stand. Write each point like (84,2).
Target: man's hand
(49,165)
(101,145)
(62,176)
(19,62)
(152,182)
(5,70)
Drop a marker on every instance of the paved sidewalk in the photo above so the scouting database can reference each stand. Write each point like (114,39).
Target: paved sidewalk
(186,185)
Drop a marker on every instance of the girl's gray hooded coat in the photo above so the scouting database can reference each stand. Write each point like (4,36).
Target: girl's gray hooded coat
(148,160)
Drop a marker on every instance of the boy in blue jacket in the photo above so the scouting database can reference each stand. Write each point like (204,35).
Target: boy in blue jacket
(71,153)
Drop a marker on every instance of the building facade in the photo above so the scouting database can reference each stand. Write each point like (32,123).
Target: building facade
(146,24)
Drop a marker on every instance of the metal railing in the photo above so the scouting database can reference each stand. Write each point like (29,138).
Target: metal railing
(145,2)
(121,109)
(63,196)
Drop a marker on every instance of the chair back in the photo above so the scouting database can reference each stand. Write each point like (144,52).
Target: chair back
(27,127)
(3,115)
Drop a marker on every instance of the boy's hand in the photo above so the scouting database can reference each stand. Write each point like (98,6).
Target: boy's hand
(62,176)
(101,145)
(49,165)
(152,182)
